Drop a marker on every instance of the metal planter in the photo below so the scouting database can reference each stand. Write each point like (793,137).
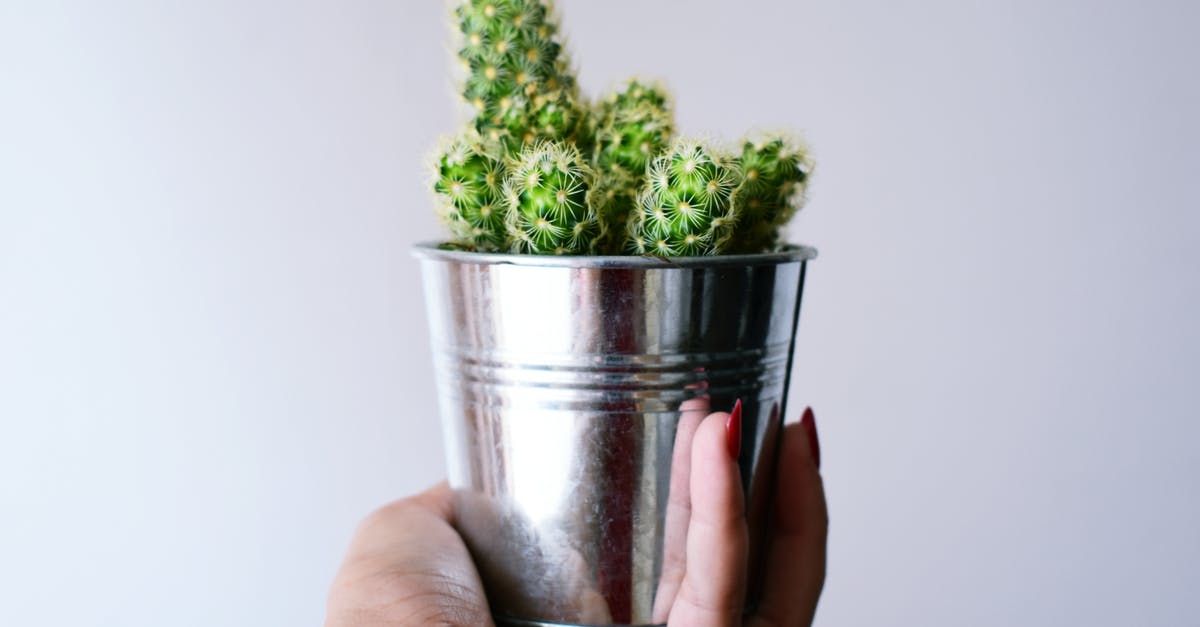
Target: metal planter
(568,390)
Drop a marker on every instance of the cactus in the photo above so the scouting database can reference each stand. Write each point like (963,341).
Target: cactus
(775,172)
(547,196)
(558,116)
(539,170)
(515,67)
(635,125)
(686,207)
(469,184)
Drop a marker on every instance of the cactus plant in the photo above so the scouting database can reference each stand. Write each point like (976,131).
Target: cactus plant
(469,183)
(547,193)
(775,173)
(539,170)
(686,207)
(635,125)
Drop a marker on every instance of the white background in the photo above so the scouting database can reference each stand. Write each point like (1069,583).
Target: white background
(212,358)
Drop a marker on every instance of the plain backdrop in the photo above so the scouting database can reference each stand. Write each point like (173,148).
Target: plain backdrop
(212,357)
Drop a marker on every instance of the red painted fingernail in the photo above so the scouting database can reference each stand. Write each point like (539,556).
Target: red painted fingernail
(809,421)
(733,430)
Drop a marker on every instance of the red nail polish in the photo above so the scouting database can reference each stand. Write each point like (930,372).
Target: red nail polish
(733,430)
(809,422)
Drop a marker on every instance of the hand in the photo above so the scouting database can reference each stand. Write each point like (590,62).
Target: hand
(408,566)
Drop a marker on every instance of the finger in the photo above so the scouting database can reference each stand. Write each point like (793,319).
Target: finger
(679,506)
(796,564)
(407,565)
(713,588)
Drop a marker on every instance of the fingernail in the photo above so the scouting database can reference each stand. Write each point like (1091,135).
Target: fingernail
(809,421)
(733,431)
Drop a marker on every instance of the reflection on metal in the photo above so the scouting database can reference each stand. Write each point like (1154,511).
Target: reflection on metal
(569,390)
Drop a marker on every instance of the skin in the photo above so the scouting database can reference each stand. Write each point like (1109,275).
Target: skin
(408,566)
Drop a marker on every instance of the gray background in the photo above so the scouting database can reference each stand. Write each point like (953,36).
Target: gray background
(212,358)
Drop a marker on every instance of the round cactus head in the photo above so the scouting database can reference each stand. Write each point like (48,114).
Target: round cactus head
(687,207)
(469,185)
(637,93)
(635,126)
(775,171)
(547,193)
(557,116)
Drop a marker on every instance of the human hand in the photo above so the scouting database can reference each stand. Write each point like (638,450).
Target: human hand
(408,566)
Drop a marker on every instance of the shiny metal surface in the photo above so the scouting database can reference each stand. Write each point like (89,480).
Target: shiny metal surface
(569,389)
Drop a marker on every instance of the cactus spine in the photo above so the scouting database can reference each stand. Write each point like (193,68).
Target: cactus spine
(775,174)
(635,125)
(547,192)
(469,184)
(686,207)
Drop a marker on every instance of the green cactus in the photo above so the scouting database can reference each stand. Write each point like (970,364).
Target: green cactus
(469,184)
(515,69)
(540,170)
(686,207)
(775,171)
(558,116)
(547,193)
(635,125)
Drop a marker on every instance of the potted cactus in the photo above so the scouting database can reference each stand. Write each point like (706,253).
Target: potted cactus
(601,274)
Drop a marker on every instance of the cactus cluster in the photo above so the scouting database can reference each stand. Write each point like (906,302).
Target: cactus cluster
(539,170)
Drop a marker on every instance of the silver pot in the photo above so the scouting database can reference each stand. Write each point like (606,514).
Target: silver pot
(566,386)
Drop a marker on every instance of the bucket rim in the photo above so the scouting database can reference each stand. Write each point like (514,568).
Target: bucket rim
(789,253)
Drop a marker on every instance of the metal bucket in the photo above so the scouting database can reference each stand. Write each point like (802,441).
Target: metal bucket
(563,384)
